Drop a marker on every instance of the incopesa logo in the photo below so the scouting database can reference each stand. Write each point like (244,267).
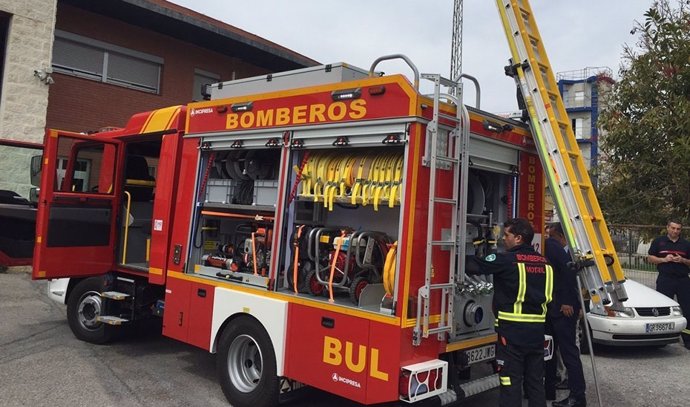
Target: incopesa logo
(203,110)
(340,379)
(302,114)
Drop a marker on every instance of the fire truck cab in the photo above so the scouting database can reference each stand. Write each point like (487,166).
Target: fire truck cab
(309,227)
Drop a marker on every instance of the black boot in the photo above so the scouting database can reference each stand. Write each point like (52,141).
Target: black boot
(550,395)
(571,402)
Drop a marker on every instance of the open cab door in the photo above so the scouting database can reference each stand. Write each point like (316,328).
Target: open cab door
(77,208)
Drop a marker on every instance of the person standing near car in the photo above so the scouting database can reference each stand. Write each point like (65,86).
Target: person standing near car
(523,282)
(561,321)
(671,254)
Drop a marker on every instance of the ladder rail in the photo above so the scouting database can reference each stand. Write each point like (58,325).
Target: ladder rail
(561,158)
(451,156)
(463,153)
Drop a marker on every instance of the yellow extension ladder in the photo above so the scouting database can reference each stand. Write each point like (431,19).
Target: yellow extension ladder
(569,182)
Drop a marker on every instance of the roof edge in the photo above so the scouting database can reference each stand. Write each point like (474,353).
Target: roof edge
(218,27)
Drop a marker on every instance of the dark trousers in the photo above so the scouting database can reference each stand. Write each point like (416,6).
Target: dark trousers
(680,287)
(563,330)
(515,364)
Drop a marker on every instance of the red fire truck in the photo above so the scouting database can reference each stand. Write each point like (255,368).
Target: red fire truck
(305,226)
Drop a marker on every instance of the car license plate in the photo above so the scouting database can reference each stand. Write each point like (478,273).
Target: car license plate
(479,354)
(660,327)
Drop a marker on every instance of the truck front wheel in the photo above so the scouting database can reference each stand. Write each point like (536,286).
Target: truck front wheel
(84,305)
(247,365)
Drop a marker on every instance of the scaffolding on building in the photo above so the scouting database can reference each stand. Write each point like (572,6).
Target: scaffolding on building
(585,73)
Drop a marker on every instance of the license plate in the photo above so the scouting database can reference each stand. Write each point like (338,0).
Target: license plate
(660,327)
(479,354)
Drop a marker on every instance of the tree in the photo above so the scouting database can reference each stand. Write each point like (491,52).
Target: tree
(646,147)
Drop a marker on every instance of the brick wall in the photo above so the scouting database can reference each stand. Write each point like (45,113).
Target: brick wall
(78,104)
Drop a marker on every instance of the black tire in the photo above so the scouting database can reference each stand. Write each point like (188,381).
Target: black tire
(305,267)
(247,365)
(584,348)
(356,288)
(83,306)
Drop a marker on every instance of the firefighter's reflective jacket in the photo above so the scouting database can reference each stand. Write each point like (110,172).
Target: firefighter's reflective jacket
(523,284)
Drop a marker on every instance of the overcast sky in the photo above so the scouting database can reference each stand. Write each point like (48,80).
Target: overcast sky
(577,34)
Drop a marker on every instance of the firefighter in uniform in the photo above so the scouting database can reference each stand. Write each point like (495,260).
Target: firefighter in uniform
(523,282)
(562,317)
(671,254)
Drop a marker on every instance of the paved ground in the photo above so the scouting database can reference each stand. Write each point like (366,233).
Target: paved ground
(42,364)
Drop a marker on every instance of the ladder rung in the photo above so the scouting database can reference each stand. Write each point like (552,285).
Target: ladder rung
(543,67)
(447,159)
(444,328)
(441,80)
(440,286)
(442,242)
(447,82)
(449,117)
(448,201)
(114,295)
(111,320)
(573,154)
(524,12)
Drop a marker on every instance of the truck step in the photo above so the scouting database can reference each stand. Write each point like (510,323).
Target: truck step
(115,295)
(111,320)
(480,385)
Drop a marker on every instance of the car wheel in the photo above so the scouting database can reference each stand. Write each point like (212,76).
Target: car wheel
(582,338)
(247,365)
(83,308)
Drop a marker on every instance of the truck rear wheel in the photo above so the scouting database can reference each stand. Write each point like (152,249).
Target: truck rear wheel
(247,365)
(84,305)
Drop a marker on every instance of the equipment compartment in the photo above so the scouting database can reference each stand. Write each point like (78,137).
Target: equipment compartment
(234,217)
(233,246)
(243,177)
(342,244)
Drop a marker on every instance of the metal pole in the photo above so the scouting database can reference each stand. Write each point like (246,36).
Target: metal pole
(589,341)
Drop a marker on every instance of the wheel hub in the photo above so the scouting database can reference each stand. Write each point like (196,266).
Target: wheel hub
(89,310)
(245,363)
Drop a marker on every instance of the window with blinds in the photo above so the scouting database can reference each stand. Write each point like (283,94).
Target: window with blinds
(92,59)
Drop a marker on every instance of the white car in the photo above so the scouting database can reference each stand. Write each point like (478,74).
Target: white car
(648,318)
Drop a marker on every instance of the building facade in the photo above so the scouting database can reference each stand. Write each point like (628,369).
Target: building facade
(26,32)
(584,92)
(81,65)
(26,40)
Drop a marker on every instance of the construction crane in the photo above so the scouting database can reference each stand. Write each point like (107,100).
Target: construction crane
(456,42)
(456,74)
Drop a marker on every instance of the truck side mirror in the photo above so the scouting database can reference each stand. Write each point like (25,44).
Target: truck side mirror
(36,165)
(33,195)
